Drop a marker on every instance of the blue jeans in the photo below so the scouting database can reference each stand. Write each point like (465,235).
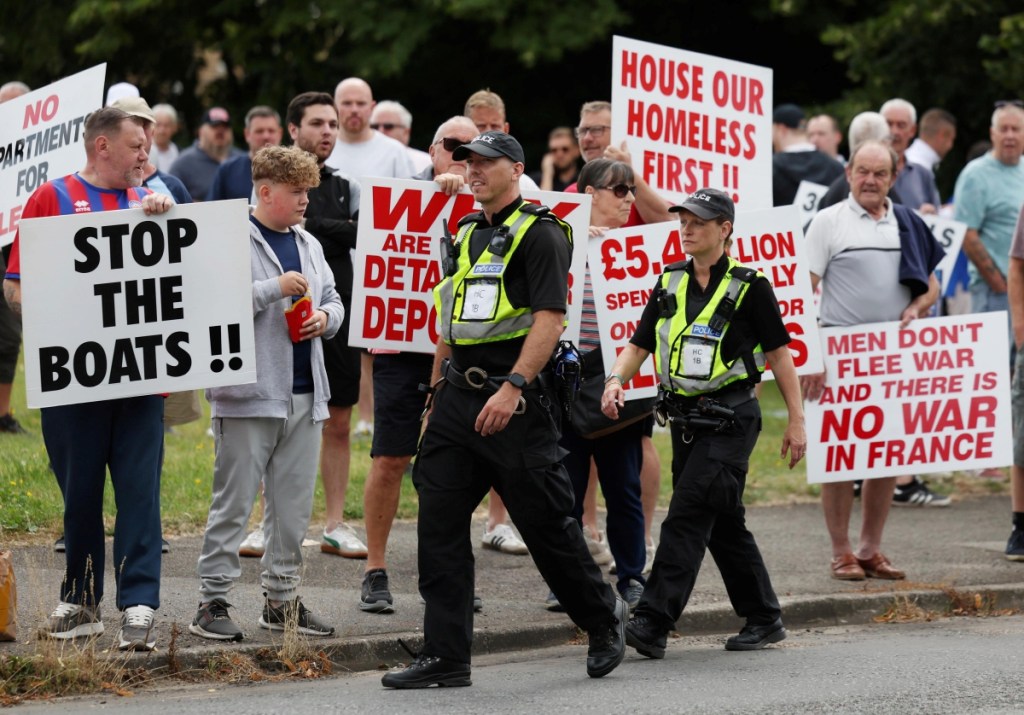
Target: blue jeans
(126,435)
(985,300)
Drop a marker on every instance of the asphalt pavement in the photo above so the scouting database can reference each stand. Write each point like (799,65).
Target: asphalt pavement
(954,551)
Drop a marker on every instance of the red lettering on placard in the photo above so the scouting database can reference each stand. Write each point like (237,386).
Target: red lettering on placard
(868,366)
(940,415)
(855,343)
(670,78)
(11,224)
(398,319)
(397,273)
(837,423)
(930,450)
(43,110)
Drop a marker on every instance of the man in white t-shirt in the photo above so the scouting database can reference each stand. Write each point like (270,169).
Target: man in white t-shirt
(361,150)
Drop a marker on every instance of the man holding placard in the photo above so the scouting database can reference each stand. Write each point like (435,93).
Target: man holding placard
(871,276)
(124,434)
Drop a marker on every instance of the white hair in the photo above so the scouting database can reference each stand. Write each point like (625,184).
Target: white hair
(457,119)
(867,126)
(166,109)
(389,105)
(898,103)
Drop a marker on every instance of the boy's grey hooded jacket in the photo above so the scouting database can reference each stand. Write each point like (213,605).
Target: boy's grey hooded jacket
(270,395)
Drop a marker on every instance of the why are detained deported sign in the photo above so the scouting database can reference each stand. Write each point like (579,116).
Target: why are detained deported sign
(398,259)
(41,138)
(625,264)
(120,304)
(691,121)
(932,397)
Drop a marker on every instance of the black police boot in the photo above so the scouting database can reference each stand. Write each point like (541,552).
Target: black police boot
(427,670)
(608,642)
(756,637)
(646,637)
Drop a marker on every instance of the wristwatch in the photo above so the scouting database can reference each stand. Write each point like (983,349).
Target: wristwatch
(517,380)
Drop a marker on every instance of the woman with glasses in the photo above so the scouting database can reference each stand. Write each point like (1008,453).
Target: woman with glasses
(711,324)
(618,455)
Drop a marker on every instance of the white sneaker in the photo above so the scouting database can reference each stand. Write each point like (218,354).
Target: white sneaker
(598,548)
(136,631)
(253,544)
(342,541)
(363,429)
(502,538)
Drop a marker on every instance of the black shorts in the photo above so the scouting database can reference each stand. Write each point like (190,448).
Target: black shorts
(342,364)
(398,402)
(648,426)
(10,342)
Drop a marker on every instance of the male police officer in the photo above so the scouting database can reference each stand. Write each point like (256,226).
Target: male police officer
(501,307)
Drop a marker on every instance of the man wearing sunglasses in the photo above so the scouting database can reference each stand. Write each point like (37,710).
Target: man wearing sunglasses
(394,120)
(561,165)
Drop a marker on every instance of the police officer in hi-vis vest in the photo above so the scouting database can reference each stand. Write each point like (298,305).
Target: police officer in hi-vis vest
(711,324)
(494,421)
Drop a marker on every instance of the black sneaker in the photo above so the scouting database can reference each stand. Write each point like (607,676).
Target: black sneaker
(647,638)
(1015,546)
(917,493)
(275,618)
(58,545)
(212,621)
(632,592)
(427,670)
(608,642)
(756,637)
(10,425)
(376,597)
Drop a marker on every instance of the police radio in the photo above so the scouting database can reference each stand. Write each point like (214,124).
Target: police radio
(449,253)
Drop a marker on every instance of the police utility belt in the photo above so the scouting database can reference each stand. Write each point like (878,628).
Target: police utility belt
(476,378)
(705,413)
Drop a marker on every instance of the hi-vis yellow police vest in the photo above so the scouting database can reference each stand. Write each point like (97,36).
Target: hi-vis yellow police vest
(472,304)
(688,357)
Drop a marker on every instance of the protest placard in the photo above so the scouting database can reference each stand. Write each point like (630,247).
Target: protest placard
(950,235)
(41,139)
(120,304)
(626,262)
(932,397)
(692,120)
(808,194)
(397,259)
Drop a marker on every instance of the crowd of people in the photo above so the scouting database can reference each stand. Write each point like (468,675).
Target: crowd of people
(494,427)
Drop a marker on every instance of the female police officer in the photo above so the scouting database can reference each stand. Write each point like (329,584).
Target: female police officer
(711,323)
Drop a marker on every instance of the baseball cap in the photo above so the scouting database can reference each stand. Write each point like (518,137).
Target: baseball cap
(216,115)
(708,204)
(788,115)
(492,144)
(136,107)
